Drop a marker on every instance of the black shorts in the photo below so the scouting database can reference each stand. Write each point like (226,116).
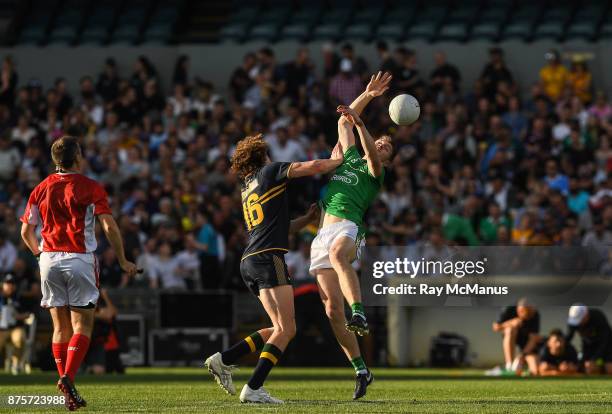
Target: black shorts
(522,338)
(264,270)
(589,351)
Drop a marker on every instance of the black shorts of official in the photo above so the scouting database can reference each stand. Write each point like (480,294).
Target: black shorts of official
(589,352)
(522,338)
(264,270)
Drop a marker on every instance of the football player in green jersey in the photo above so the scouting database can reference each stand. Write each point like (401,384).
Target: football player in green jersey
(353,187)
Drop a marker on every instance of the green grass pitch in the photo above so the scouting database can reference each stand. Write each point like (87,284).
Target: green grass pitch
(323,390)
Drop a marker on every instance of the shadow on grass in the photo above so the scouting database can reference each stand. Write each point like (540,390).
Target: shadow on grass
(467,402)
(170,376)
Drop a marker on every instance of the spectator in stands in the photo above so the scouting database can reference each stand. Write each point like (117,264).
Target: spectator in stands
(581,80)
(10,159)
(298,74)
(387,62)
(554,179)
(599,238)
(443,71)
(103,350)
(284,149)
(188,263)
(331,61)
(108,81)
(242,78)
(358,63)
(8,81)
(601,109)
(520,326)
(298,259)
(23,132)
(594,329)
(164,269)
(345,86)
(515,119)
(554,76)
(12,317)
(408,78)
(558,357)
(64,99)
(495,72)
(181,71)
(8,254)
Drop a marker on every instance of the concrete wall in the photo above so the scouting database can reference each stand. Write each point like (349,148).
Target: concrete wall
(216,62)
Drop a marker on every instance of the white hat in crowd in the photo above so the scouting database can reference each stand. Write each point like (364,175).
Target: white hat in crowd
(576,314)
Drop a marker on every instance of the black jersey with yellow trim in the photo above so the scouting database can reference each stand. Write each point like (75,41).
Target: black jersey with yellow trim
(265,206)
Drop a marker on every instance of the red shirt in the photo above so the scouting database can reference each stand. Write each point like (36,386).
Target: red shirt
(66,204)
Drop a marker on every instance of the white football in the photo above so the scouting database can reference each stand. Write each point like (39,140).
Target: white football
(404,109)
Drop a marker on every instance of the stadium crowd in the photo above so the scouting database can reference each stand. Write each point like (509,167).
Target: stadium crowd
(484,165)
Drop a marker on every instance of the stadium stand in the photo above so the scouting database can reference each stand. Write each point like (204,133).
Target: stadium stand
(495,165)
(140,21)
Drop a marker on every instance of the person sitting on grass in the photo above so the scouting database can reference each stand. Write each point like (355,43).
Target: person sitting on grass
(596,335)
(519,326)
(558,357)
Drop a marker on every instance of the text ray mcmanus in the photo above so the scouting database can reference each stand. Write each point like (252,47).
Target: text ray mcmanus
(439,290)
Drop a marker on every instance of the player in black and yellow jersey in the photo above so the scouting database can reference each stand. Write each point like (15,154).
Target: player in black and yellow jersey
(266,213)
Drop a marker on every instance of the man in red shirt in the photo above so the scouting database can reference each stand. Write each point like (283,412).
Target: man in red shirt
(66,205)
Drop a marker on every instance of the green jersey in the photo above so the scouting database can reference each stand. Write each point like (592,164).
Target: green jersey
(352,188)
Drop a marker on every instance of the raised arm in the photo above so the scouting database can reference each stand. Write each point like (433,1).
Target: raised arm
(314,167)
(346,137)
(379,83)
(367,142)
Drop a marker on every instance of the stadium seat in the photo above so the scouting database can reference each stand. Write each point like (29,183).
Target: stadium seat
(162,22)
(239,23)
(36,24)
(522,22)
(67,23)
(32,34)
(422,30)
(552,30)
(456,32)
(496,13)
(301,23)
(396,21)
(236,31)
(128,26)
(606,31)
(520,30)
(581,30)
(100,21)
(489,31)
(332,24)
(268,23)
(361,31)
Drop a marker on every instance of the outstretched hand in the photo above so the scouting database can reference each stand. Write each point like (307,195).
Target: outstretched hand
(350,114)
(379,83)
(314,212)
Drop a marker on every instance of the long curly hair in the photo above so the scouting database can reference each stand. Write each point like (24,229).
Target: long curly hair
(249,156)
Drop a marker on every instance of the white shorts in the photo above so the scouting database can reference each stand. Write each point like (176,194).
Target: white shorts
(319,250)
(69,279)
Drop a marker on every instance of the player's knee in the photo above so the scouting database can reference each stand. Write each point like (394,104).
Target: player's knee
(62,332)
(333,310)
(288,331)
(337,255)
